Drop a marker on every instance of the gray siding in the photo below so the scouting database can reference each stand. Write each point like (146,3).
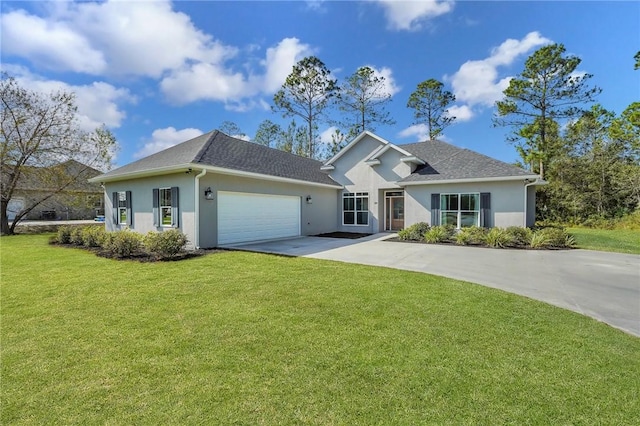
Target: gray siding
(507,201)
(316,218)
(142,203)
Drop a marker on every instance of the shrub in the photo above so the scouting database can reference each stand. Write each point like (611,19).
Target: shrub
(165,244)
(64,235)
(539,240)
(438,234)
(498,238)
(520,236)
(123,243)
(76,235)
(557,237)
(93,236)
(415,232)
(471,235)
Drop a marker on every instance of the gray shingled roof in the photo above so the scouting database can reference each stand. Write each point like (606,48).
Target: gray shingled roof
(448,162)
(219,150)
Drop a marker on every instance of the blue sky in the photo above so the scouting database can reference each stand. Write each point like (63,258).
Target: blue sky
(158,73)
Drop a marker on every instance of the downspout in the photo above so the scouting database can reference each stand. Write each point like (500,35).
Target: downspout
(526,197)
(196,224)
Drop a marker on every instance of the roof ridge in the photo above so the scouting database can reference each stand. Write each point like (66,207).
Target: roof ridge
(204,146)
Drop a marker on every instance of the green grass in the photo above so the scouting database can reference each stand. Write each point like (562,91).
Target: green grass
(616,240)
(242,338)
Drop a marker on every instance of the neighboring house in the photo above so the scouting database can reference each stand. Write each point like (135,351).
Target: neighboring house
(78,200)
(219,190)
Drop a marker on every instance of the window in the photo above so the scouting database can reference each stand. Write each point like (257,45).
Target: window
(460,210)
(165,206)
(122,208)
(355,208)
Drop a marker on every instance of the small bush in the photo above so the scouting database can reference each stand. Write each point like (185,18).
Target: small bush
(557,237)
(76,235)
(415,232)
(93,236)
(123,243)
(165,244)
(64,235)
(438,234)
(471,235)
(539,240)
(520,237)
(498,238)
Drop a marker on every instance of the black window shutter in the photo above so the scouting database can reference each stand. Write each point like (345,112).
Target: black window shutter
(129,215)
(156,207)
(485,209)
(435,209)
(174,206)
(114,207)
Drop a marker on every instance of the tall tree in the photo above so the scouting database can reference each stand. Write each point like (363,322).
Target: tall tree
(232,129)
(547,91)
(430,103)
(306,93)
(39,134)
(363,97)
(268,134)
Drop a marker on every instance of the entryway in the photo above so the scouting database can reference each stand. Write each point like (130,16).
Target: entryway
(393,210)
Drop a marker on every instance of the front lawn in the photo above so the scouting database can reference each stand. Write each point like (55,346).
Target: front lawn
(617,240)
(243,338)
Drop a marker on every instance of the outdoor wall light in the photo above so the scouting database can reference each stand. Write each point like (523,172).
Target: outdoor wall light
(208,194)
(309,199)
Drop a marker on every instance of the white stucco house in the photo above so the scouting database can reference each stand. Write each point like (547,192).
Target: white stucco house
(219,190)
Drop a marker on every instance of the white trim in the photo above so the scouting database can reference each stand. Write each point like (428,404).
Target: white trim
(385,210)
(459,211)
(353,142)
(221,170)
(355,212)
(329,167)
(160,207)
(196,226)
(475,180)
(412,159)
(373,162)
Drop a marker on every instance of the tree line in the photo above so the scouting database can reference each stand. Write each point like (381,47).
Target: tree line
(309,93)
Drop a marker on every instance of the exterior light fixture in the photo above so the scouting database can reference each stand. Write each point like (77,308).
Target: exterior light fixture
(309,199)
(208,194)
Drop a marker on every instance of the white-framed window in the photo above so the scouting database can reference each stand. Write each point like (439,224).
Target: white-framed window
(355,208)
(165,207)
(164,203)
(123,211)
(460,210)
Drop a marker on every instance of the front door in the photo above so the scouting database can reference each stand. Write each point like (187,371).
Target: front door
(394,206)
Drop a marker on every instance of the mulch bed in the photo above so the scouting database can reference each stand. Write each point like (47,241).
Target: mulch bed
(142,256)
(348,235)
(451,243)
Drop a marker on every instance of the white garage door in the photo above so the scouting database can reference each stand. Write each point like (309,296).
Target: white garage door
(246,217)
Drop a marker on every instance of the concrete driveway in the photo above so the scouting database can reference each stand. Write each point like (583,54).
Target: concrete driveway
(604,286)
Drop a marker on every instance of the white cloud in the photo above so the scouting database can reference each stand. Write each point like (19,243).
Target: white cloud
(280,60)
(149,39)
(419,131)
(460,112)
(390,85)
(53,45)
(478,83)
(412,15)
(204,81)
(113,37)
(165,138)
(98,103)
